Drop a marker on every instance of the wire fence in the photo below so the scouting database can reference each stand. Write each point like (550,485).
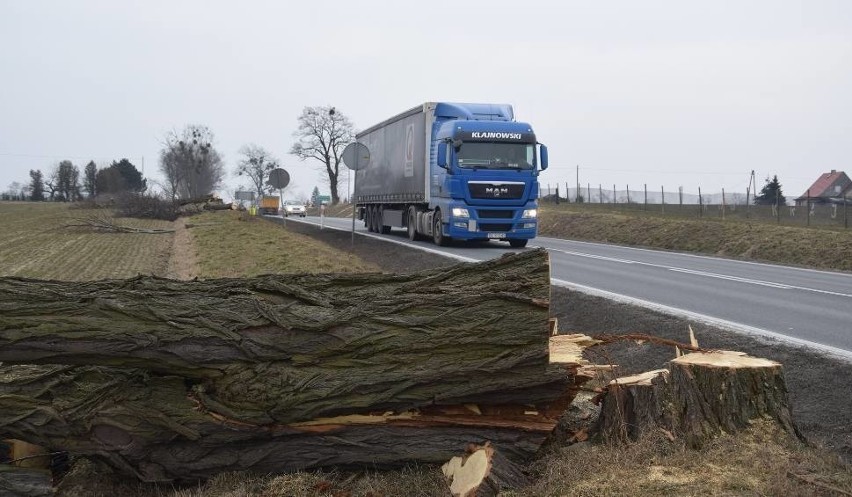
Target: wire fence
(807,211)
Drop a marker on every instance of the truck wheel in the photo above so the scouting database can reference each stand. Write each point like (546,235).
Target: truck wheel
(367,218)
(518,243)
(370,221)
(377,223)
(438,233)
(382,227)
(412,223)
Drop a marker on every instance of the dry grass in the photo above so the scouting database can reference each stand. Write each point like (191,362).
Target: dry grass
(760,461)
(92,480)
(34,244)
(817,248)
(230,243)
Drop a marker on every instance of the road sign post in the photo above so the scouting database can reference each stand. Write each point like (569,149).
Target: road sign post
(356,156)
(279,178)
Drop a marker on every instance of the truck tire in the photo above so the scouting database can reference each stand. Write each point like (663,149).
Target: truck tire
(370,220)
(377,223)
(438,232)
(380,224)
(412,224)
(518,243)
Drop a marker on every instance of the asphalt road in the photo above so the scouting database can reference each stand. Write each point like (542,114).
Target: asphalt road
(813,308)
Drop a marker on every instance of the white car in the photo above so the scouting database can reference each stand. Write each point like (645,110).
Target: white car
(295,209)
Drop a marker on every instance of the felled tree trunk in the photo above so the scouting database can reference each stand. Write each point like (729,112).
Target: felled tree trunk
(698,397)
(180,380)
(25,482)
(482,472)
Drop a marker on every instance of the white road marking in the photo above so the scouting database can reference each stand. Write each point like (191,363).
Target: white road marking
(839,353)
(706,274)
(695,256)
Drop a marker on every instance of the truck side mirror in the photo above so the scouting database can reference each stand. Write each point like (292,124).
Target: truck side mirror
(543,157)
(442,154)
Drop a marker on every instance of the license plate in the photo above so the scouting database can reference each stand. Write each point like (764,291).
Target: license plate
(496,235)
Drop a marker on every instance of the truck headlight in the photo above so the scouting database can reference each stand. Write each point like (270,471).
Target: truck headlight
(460,212)
(530,214)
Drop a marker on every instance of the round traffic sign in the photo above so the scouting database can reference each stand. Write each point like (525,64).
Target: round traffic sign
(356,156)
(278,178)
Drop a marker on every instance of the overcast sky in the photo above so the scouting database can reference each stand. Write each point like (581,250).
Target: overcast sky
(666,93)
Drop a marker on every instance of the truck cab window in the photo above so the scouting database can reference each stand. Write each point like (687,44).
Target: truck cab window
(496,155)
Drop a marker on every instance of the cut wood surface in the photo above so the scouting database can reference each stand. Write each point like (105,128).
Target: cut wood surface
(699,396)
(171,380)
(482,472)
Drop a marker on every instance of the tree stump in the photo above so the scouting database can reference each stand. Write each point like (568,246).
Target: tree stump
(698,397)
(482,472)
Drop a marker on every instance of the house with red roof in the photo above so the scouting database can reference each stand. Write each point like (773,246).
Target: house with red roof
(831,187)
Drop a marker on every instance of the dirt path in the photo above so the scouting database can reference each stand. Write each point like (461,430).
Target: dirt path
(183,264)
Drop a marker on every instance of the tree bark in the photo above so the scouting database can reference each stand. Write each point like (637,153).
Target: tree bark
(698,397)
(25,482)
(180,380)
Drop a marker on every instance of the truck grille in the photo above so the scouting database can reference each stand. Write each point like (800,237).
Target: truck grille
(495,214)
(495,226)
(497,190)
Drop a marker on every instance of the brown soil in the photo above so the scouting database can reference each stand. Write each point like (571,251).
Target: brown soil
(182,263)
(818,385)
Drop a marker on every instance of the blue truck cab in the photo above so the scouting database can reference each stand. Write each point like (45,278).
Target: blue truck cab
(479,174)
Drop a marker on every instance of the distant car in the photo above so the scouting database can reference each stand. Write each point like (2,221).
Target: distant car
(295,209)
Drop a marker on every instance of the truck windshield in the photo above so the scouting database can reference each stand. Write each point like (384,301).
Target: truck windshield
(496,155)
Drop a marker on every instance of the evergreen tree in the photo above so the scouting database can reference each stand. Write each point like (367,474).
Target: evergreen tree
(67,175)
(315,196)
(119,177)
(90,179)
(770,193)
(36,185)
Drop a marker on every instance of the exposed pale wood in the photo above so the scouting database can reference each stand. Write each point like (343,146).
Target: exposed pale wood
(639,379)
(27,455)
(482,472)
(568,349)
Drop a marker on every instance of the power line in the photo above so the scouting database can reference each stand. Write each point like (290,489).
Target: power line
(38,156)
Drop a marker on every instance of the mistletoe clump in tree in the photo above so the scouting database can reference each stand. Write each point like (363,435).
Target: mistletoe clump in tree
(190,163)
(256,164)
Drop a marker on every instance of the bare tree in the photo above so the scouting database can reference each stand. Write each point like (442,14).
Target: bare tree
(190,163)
(51,183)
(256,165)
(322,135)
(16,191)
